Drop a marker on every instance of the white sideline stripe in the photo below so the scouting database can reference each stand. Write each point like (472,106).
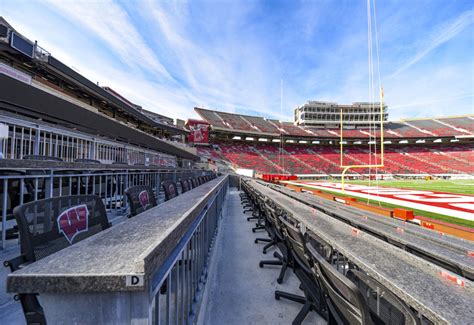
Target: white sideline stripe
(419,206)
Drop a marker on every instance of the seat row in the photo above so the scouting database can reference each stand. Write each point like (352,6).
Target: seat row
(332,286)
(49,225)
(142,197)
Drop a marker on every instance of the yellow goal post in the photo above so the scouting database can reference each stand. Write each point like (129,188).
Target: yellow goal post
(341,143)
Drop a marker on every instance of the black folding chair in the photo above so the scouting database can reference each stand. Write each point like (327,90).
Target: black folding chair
(201,180)
(170,189)
(272,225)
(140,198)
(49,225)
(346,304)
(312,299)
(195,182)
(185,185)
(383,305)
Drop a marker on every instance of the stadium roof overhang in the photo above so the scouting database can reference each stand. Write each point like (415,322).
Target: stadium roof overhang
(22,98)
(60,68)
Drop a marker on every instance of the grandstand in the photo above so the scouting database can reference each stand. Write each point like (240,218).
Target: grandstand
(420,146)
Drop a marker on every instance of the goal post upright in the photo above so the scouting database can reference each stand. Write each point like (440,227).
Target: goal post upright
(341,144)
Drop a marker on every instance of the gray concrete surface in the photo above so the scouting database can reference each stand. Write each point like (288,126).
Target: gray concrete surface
(10,310)
(238,291)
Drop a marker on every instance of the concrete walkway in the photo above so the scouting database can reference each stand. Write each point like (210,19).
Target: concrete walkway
(238,291)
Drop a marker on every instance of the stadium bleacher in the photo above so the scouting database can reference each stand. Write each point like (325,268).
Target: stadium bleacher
(465,123)
(404,129)
(300,159)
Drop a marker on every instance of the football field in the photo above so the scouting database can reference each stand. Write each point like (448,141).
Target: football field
(451,186)
(446,200)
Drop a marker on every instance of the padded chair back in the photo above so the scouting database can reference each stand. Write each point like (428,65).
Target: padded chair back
(201,180)
(295,240)
(140,198)
(275,222)
(384,306)
(345,302)
(191,184)
(49,225)
(171,190)
(195,182)
(185,186)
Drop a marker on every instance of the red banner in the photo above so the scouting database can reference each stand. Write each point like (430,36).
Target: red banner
(199,131)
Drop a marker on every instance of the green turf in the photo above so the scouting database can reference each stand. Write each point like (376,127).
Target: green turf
(451,186)
(417,212)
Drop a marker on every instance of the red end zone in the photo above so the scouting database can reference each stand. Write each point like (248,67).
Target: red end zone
(455,205)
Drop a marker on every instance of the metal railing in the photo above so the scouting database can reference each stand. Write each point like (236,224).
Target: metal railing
(176,288)
(31,138)
(21,186)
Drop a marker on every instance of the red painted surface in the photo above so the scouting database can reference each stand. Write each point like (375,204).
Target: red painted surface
(457,202)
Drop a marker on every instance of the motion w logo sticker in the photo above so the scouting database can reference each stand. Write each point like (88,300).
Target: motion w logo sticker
(73,221)
(144,199)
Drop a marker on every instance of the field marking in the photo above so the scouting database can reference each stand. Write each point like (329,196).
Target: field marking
(390,195)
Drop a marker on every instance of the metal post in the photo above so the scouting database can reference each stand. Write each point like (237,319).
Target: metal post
(4,213)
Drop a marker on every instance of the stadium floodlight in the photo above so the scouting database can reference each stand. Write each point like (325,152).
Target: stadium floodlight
(437,141)
(249,139)
(236,138)
(263,139)
(275,140)
(420,141)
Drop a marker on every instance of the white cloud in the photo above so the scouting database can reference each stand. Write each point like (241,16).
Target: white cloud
(112,25)
(442,35)
(172,56)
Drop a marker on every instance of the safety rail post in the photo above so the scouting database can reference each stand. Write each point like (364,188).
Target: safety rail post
(4,213)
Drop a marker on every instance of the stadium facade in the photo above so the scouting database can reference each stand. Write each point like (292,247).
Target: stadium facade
(331,115)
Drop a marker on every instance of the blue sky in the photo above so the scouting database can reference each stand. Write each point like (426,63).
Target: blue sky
(232,55)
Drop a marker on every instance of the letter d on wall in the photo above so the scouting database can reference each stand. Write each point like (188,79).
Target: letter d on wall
(135,280)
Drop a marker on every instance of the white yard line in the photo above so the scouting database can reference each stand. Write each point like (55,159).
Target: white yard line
(419,206)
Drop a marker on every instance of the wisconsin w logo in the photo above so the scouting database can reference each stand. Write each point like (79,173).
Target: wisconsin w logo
(73,221)
(144,199)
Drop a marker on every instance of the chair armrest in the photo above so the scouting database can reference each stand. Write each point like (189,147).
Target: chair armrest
(16,263)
